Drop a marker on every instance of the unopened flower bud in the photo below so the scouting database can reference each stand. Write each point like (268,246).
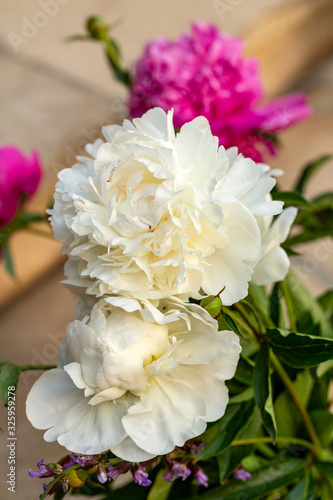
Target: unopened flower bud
(97,27)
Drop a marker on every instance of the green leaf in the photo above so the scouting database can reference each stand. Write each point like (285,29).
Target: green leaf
(326,301)
(263,390)
(324,367)
(8,261)
(301,491)
(306,307)
(231,323)
(225,430)
(8,378)
(259,295)
(309,170)
(274,306)
(300,350)
(323,421)
(325,467)
(230,458)
(161,488)
(243,396)
(287,418)
(290,198)
(276,476)
(244,372)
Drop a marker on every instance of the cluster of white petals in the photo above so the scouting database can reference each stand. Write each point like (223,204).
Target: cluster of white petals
(156,214)
(149,220)
(139,387)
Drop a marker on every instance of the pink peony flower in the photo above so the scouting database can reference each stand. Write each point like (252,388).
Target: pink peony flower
(205,73)
(19,175)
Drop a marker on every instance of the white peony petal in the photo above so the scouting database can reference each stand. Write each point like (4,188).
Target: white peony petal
(166,415)
(203,380)
(272,267)
(128,450)
(54,403)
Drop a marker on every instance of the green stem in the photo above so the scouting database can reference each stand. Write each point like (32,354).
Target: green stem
(265,450)
(259,440)
(298,403)
(289,303)
(37,367)
(255,314)
(269,323)
(242,311)
(246,324)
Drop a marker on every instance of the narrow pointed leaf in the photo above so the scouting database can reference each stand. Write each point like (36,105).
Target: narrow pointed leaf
(8,377)
(309,170)
(231,323)
(263,390)
(301,491)
(8,261)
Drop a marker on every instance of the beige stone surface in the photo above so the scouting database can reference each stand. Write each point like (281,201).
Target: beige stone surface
(56,97)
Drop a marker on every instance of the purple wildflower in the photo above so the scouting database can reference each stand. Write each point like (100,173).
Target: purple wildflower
(86,461)
(101,474)
(114,470)
(242,474)
(178,470)
(141,477)
(46,470)
(200,476)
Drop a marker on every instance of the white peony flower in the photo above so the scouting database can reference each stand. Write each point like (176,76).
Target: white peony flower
(274,264)
(136,387)
(156,214)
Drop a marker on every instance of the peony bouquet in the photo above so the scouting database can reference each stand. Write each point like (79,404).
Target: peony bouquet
(198,365)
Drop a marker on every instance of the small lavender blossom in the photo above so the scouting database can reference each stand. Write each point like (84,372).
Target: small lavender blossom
(242,474)
(46,470)
(178,470)
(81,460)
(201,477)
(141,476)
(114,470)
(101,474)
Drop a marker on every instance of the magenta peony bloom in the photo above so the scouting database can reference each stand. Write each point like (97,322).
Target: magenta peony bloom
(19,175)
(205,73)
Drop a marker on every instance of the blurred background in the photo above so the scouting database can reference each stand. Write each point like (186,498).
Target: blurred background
(55,97)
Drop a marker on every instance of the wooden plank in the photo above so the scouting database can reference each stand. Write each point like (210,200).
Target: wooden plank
(291,40)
